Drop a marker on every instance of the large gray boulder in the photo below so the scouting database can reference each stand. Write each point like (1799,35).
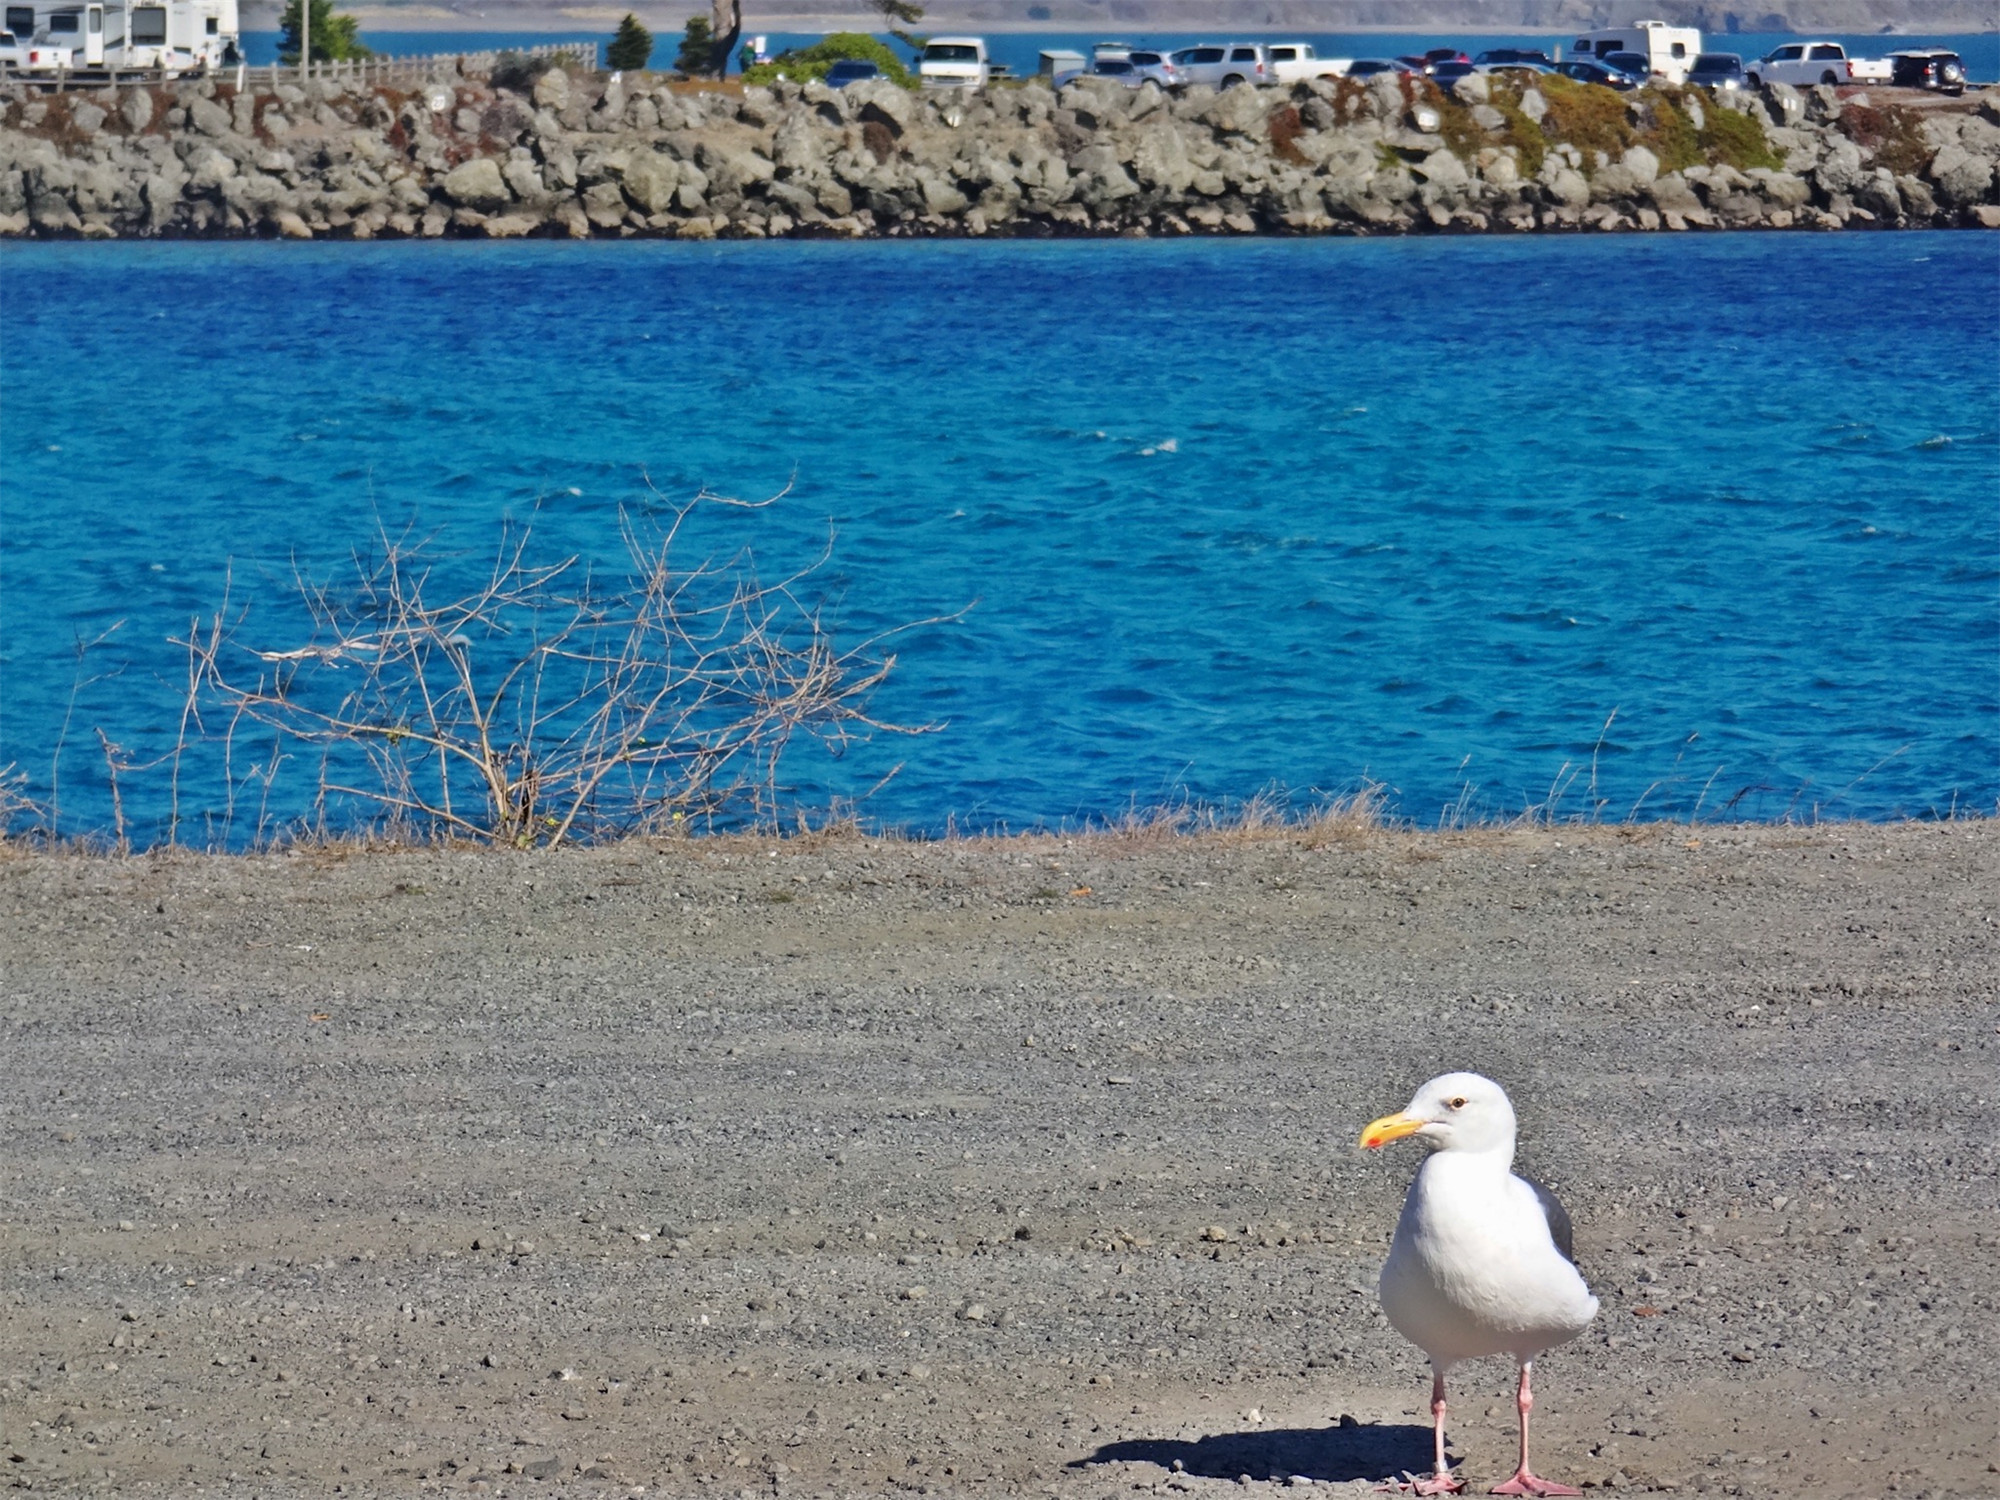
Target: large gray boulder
(651,180)
(879,99)
(1102,178)
(209,117)
(477,185)
(1961,177)
(1781,188)
(1160,158)
(552,91)
(1840,169)
(1564,183)
(1244,111)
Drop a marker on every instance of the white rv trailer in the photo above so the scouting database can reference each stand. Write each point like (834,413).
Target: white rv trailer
(1669,50)
(117,36)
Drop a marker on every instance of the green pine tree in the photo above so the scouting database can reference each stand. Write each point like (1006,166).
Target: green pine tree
(697,55)
(632,48)
(332,36)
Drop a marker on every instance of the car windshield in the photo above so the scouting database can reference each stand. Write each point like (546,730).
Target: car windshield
(1718,62)
(950,52)
(1147,59)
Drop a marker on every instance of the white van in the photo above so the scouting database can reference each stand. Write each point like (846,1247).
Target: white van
(1669,50)
(955,62)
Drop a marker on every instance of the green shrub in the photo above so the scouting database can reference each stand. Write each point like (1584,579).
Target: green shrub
(1521,132)
(632,48)
(1587,115)
(813,61)
(1673,138)
(1735,138)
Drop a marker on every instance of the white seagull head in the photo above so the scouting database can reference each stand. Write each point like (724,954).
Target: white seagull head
(1453,1112)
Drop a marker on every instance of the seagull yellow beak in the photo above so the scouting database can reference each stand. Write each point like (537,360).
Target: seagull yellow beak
(1390,1128)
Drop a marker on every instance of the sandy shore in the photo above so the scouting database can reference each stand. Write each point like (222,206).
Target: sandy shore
(870,1168)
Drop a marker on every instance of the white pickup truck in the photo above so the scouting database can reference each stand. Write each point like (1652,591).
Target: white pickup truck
(1292,62)
(1803,64)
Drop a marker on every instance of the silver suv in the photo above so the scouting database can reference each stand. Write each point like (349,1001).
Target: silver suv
(1223,67)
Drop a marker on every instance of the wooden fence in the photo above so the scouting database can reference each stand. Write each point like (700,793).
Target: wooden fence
(363,71)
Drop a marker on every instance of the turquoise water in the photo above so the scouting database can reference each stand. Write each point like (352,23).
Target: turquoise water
(1227,516)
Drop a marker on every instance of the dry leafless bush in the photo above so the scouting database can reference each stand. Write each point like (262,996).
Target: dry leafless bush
(549,704)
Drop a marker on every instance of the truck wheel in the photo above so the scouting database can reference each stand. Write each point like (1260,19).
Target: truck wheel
(1828,78)
(1756,82)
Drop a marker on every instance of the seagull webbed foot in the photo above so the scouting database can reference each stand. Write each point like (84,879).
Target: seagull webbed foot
(1524,1483)
(1426,1484)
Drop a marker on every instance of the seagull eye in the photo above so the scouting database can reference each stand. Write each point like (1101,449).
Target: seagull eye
(1458,1103)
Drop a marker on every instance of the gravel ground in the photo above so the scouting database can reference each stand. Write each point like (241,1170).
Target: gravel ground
(862,1167)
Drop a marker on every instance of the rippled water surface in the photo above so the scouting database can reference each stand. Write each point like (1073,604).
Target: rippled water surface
(1228,516)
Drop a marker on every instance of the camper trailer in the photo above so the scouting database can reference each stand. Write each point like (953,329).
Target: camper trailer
(1669,50)
(128,36)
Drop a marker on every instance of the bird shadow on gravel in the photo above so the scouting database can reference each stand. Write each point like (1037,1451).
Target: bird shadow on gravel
(1328,1455)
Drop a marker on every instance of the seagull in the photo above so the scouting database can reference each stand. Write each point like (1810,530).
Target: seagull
(1481,1263)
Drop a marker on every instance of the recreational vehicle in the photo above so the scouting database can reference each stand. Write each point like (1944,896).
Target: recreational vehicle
(1669,50)
(121,36)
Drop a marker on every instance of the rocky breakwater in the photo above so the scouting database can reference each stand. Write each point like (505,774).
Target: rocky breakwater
(581,155)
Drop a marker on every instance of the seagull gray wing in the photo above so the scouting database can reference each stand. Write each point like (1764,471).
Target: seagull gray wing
(1558,1217)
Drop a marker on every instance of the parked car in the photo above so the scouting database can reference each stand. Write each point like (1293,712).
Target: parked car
(1635,63)
(1293,62)
(1443,55)
(1522,70)
(1718,70)
(1583,70)
(1368,67)
(1155,68)
(850,70)
(1448,73)
(12,54)
(1928,68)
(1223,67)
(1494,57)
(1803,64)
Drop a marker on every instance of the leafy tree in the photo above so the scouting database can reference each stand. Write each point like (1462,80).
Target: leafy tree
(632,48)
(333,37)
(813,61)
(894,11)
(697,54)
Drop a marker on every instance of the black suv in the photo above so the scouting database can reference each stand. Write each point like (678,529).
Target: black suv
(1928,68)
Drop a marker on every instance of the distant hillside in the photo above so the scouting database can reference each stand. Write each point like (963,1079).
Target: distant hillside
(1466,16)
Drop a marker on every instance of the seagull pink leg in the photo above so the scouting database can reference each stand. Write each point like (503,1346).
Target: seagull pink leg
(1442,1481)
(1525,1481)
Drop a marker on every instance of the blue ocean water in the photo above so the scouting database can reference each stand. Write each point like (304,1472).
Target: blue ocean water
(1227,516)
(1020,50)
